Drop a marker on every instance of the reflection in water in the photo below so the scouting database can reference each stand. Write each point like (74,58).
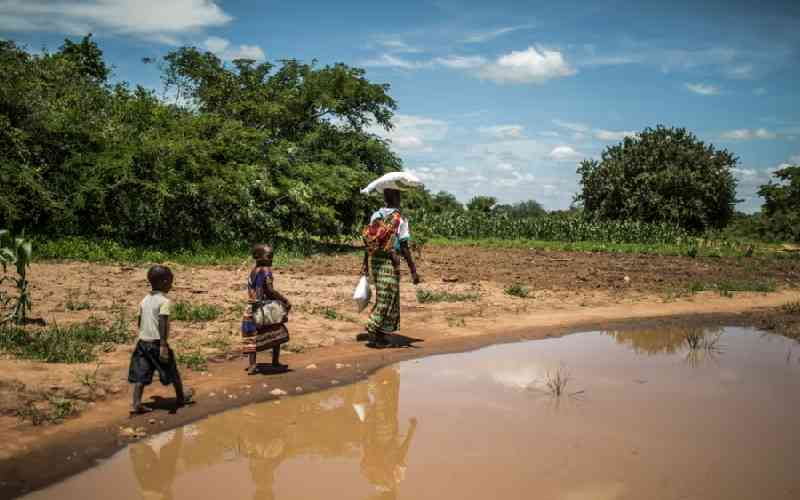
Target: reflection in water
(155,463)
(661,341)
(360,418)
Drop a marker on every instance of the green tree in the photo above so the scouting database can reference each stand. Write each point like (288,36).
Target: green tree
(661,175)
(530,208)
(481,204)
(781,209)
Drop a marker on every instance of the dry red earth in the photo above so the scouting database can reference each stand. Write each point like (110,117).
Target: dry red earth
(568,290)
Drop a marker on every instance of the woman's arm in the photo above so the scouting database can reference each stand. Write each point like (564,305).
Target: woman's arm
(276,295)
(404,250)
(365,265)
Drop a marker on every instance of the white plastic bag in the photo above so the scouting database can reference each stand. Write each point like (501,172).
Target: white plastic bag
(269,313)
(362,293)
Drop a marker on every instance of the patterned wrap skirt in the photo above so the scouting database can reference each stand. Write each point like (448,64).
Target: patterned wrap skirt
(257,338)
(385,316)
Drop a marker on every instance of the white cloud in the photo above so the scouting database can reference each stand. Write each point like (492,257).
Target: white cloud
(413,133)
(746,134)
(154,19)
(461,62)
(573,126)
(702,88)
(485,36)
(741,71)
(533,65)
(612,135)
(391,61)
(794,159)
(397,45)
(565,153)
(223,49)
(503,131)
(506,167)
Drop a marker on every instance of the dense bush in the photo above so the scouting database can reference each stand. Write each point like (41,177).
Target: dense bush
(663,175)
(246,151)
(781,211)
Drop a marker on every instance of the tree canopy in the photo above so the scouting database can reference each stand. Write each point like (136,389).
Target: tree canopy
(661,175)
(781,209)
(235,152)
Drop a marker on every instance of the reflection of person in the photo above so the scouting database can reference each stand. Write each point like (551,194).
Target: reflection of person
(263,463)
(155,463)
(386,236)
(255,337)
(384,460)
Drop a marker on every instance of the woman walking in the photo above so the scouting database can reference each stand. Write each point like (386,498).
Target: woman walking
(385,239)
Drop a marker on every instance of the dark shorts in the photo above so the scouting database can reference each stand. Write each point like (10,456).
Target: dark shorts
(145,361)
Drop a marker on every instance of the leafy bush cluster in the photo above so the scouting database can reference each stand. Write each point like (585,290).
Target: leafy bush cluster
(228,153)
(662,175)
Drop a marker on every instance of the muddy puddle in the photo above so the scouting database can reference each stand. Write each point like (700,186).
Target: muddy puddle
(642,416)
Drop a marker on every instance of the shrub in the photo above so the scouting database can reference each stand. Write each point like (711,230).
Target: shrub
(661,175)
(517,290)
(184,311)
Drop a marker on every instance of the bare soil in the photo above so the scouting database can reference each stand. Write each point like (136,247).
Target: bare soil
(568,291)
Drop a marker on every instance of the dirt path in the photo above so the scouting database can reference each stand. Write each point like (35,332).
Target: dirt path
(569,292)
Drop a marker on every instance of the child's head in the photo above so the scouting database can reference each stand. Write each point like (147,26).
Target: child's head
(160,278)
(262,254)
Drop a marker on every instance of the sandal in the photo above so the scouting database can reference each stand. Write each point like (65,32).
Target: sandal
(140,410)
(188,398)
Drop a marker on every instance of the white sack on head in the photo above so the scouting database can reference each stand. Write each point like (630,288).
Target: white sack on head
(393,180)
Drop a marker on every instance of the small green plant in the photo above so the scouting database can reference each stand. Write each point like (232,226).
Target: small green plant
(184,311)
(556,381)
(429,296)
(16,252)
(193,360)
(517,290)
(691,251)
(453,322)
(331,314)
(74,302)
(791,307)
(727,287)
(57,410)
(88,378)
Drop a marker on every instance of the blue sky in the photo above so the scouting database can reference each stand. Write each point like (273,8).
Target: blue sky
(500,98)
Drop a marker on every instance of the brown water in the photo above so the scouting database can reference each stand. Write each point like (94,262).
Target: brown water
(643,419)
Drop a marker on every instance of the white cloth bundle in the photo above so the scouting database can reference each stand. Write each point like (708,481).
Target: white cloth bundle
(393,180)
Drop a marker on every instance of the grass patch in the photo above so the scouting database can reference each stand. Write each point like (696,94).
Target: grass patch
(430,297)
(194,360)
(517,290)
(791,307)
(56,411)
(727,287)
(288,250)
(184,311)
(326,312)
(56,344)
(455,322)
